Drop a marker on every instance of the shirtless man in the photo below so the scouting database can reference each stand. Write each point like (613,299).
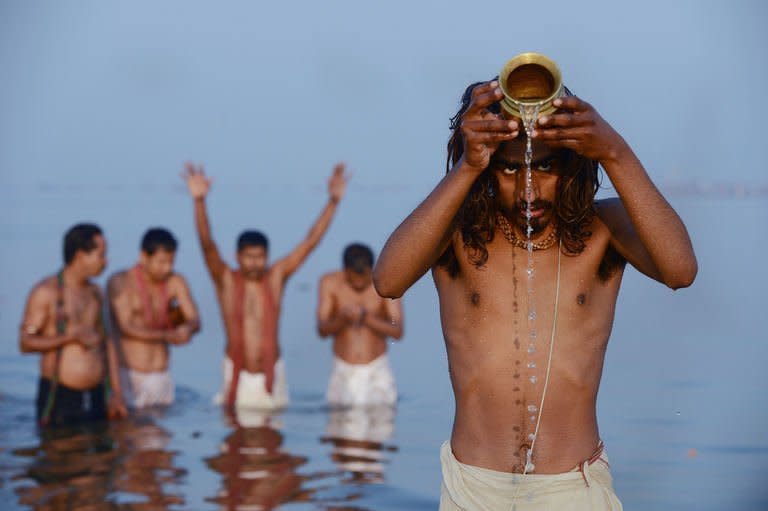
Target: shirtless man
(250,298)
(152,310)
(470,232)
(360,321)
(63,323)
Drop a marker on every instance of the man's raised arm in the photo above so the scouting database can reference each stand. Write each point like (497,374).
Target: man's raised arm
(424,235)
(199,184)
(645,229)
(337,185)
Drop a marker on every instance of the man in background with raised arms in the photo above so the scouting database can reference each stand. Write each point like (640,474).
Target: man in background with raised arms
(471,232)
(63,323)
(250,297)
(152,309)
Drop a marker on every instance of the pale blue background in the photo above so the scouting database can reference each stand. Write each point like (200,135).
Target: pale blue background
(101,102)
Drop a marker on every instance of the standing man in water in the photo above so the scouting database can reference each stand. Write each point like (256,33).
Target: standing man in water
(250,297)
(360,321)
(152,310)
(470,231)
(63,323)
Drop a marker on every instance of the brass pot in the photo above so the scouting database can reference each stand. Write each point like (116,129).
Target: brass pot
(530,80)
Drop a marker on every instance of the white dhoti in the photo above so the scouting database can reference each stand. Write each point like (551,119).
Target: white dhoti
(252,388)
(142,390)
(370,384)
(588,487)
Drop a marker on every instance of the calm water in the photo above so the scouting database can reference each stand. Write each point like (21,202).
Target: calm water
(681,405)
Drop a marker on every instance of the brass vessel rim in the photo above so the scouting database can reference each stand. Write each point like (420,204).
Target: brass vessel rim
(530,58)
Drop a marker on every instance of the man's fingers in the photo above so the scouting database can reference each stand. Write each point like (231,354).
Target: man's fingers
(484,99)
(572,103)
(490,125)
(564,120)
(484,88)
(550,134)
(568,143)
(488,137)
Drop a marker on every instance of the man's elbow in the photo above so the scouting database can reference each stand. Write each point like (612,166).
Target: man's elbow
(683,278)
(384,286)
(24,347)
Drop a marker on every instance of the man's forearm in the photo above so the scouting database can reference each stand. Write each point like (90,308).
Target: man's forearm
(385,327)
(658,226)
(319,228)
(149,335)
(416,244)
(202,224)
(113,366)
(42,343)
(332,326)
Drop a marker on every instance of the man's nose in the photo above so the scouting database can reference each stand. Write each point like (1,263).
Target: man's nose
(527,193)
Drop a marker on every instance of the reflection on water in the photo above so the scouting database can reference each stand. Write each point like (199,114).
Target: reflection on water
(256,472)
(122,465)
(229,462)
(358,436)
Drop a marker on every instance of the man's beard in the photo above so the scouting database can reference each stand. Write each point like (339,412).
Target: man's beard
(538,224)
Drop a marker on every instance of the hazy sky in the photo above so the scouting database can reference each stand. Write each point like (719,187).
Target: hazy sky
(101,93)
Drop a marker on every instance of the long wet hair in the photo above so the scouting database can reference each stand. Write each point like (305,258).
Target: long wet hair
(573,207)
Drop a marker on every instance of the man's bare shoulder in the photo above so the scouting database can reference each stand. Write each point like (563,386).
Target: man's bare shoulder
(332,280)
(177,281)
(118,283)
(45,289)
(609,210)
(611,216)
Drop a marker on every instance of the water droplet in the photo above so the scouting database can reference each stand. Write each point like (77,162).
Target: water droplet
(533,408)
(531,348)
(531,365)
(529,468)
(533,379)
(532,315)
(531,437)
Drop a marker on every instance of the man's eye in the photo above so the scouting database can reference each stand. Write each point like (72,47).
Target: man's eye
(509,171)
(544,166)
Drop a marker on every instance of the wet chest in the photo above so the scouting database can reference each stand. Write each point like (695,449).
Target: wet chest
(512,285)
